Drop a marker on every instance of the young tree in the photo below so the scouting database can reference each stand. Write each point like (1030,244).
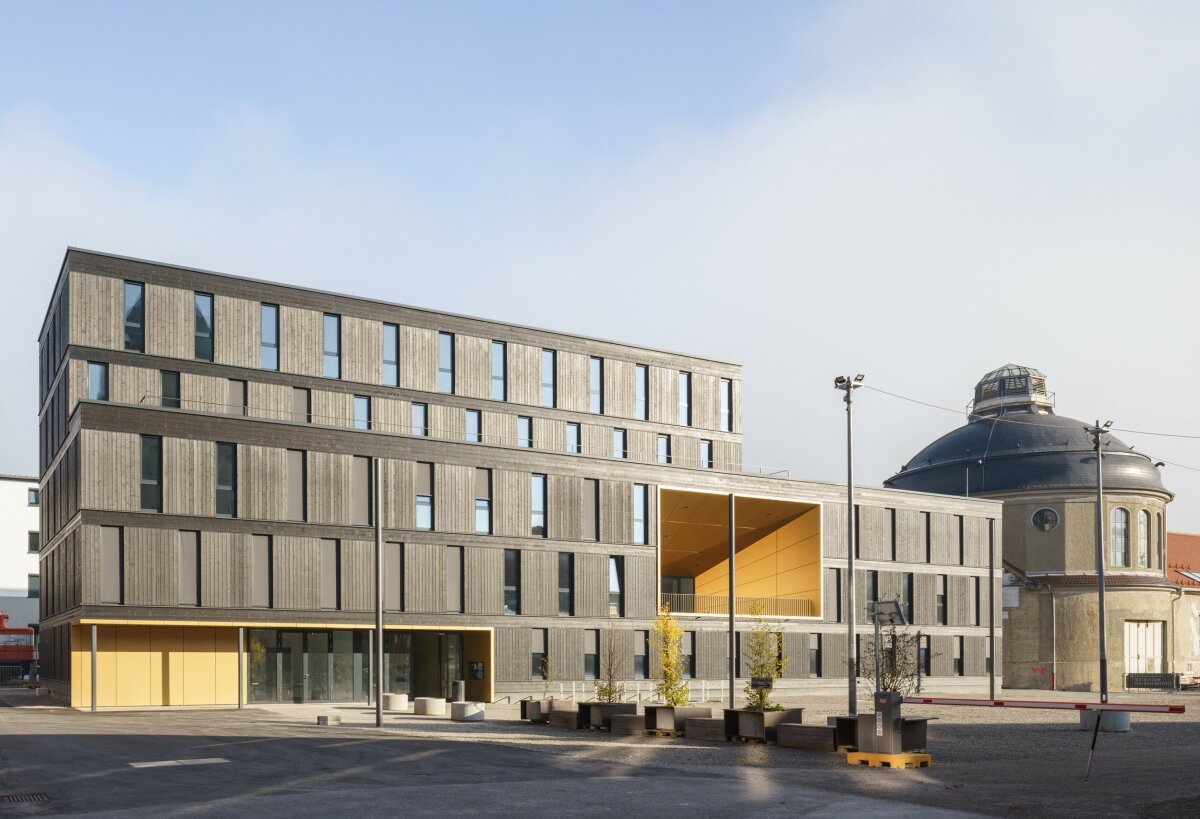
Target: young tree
(546,669)
(666,639)
(608,689)
(764,658)
(898,660)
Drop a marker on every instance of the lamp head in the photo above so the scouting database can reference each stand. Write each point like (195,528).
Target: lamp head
(839,382)
(858,378)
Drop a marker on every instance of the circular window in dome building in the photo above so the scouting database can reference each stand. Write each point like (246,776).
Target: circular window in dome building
(1045,520)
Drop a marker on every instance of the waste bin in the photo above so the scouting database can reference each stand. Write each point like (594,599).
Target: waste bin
(458,691)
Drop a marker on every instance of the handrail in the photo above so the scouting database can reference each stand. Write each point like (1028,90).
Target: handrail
(719,604)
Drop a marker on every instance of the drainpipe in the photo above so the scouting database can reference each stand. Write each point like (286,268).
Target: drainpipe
(1053,641)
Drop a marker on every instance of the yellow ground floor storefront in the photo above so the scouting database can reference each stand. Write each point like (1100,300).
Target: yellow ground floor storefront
(141,664)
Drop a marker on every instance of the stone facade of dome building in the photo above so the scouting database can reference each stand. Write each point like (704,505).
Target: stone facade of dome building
(1015,448)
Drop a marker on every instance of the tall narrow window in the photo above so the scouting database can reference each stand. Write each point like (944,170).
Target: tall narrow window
(330,574)
(151,474)
(924,655)
(393,576)
(1120,537)
(446,363)
(483,501)
(566,584)
(664,449)
(976,600)
(524,431)
(539,669)
(837,595)
(112,564)
(574,442)
(202,330)
(452,570)
(332,346)
(269,344)
(706,458)
(235,403)
(512,581)
(685,399)
(362,412)
(908,597)
(596,385)
(688,647)
(726,405)
(1143,555)
(549,378)
(591,509)
(189,568)
(499,371)
(360,491)
(620,443)
(424,503)
(640,493)
(473,432)
(135,317)
(226,503)
(34,587)
(420,419)
(391,355)
(641,655)
(958,656)
(261,558)
(591,654)
(35,542)
(1159,536)
(641,391)
(297,485)
(169,381)
(616,586)
(537,503)
(941,599)
(301,405)
(872,586)
(97,386)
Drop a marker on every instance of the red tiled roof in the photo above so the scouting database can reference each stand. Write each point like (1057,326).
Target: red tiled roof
(1183,552)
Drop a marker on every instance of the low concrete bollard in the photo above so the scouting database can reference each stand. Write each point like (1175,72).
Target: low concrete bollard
(395,702)
(329,719)
(628,725)
(467,711)
(430,706)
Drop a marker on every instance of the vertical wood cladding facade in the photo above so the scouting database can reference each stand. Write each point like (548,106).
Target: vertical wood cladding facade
(298,546)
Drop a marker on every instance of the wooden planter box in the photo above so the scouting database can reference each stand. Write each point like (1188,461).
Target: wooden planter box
(539,710)
(673,717)
(758,725)
(600,714)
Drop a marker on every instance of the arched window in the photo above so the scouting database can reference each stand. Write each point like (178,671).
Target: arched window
(1161,534)
(1143,540)
(1120,537)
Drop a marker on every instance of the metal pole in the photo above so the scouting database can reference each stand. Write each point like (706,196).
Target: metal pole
(992,608)
(377,512)
(94,666)
(732,604)
(852,611)
(1098,432)
(241,667)
(875,617)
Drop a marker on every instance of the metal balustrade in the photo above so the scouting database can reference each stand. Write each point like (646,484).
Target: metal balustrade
(719,604)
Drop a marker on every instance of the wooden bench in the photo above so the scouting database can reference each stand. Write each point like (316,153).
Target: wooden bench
(565,719)
(701,728)
(807,737)
(632,725)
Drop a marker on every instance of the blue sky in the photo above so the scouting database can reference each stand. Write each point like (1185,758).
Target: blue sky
(918,191)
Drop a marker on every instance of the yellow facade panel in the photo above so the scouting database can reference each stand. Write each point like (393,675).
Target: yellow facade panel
(132,665)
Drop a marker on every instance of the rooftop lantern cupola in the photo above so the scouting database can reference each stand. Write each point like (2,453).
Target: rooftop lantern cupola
(1011,389)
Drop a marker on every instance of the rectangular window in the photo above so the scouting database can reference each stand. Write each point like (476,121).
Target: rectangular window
(189,568)
(35,586)
(269,339)
(97,385)
(591,654)
(330,574)
(706,458)
(620,443)
(261,560)
(941,599)
(549,378)
(297,485)
(446,363)
(685,399)
(226,480)
(837,595)
(135,317)
(539,669)
(591,509)
(512,581)
(958,656)
(689,654)
(596,385)
(524,431)
(814,655)
(616,586)
(537,503)
(420,419)
(908,597)
(391,355)
(499,371)
(453,571)
(664,449)
(360,491)
(641,655)
(639,513)
(35,542)
(962,542)
(975,600)
(424,515)
(924,656)
(332,346)
(170,389)
(362,412)
(235,403)
(151,496)
(566,584)
(33,497)
(641,389)
(202,330)
(574,440)
(726,405)
(393,576)
(473,432)
(483,501)
(112,564)
(301,405)
(872,587)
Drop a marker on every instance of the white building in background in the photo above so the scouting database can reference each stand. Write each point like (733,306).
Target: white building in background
(19,544)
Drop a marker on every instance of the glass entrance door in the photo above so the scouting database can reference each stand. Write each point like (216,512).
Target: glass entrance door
(291,666)
(317,676)
(450,665)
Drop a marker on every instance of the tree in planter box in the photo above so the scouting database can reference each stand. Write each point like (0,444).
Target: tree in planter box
(546,669)
(764,658)
(666,640)
(607,688)
(899,661)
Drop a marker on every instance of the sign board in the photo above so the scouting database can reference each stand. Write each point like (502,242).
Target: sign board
(1163,682)
(1010,597)
(476,671)
(760,684)
(878,723)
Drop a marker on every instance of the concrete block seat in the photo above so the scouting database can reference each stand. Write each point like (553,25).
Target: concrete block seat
(629,725)
(467,711)
(701,728)
(395,702)
(806,737)
(565,719)
(430,706)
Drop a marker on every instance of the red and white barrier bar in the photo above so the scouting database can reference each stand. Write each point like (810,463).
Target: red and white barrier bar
(1138,708)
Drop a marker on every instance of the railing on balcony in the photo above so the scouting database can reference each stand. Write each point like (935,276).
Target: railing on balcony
(719,604)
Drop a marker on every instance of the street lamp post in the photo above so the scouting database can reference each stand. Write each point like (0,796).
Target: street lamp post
(849,385)
(1098,432)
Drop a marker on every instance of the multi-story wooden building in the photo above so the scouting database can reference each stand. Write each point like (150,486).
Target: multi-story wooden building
(208,523)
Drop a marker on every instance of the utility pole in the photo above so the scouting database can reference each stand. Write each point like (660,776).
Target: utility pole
(849,385)
(377,671)
(1098,432)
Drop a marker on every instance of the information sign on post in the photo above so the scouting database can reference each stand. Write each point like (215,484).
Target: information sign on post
(760,683)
